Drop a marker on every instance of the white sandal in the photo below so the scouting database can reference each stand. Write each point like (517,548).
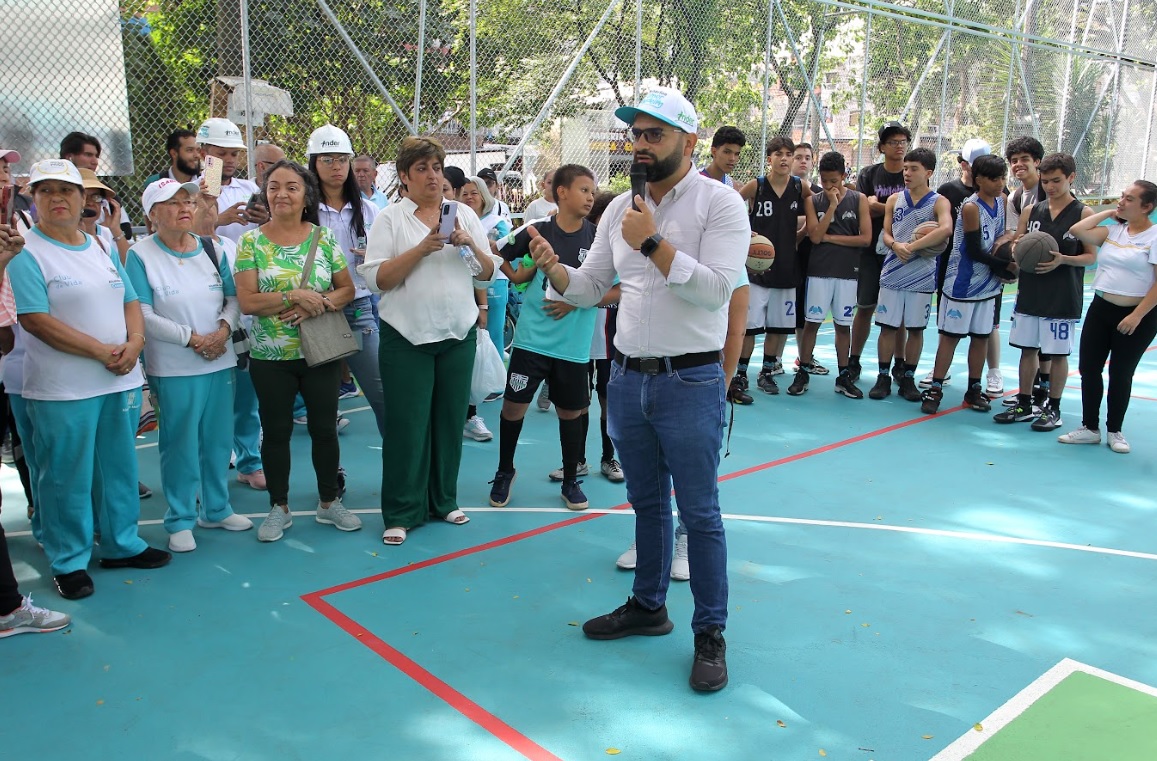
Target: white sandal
(394,536)
(457,517)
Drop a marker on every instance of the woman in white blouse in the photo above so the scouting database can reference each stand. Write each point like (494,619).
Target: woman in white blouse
(428,339)
(1121,321)
(190,308)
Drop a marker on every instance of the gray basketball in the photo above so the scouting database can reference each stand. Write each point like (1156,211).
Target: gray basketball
(1033,249)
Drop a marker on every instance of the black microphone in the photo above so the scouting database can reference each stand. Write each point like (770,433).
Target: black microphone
(638,182)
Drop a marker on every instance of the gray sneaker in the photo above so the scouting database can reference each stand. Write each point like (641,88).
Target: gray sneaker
(30,619)
(337,515)
(274,525)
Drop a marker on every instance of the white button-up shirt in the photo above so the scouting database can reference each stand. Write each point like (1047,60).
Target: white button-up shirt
(341,222)
(436,300)
(685,313)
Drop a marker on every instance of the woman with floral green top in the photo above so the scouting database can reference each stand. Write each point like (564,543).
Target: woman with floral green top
(270,265)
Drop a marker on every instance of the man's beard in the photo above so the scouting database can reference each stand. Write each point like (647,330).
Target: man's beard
(660,169)
(185,167)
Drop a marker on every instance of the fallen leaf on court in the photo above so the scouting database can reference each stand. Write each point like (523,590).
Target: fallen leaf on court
(978,727)
(613,751)
(467,589)
(100,702)
(823,752)
(516,597)
(128,581)
(572,623)
(588,581)
(1022,613)
(865,625)
(927,737)
(374,554)
(988,463)
(779,722)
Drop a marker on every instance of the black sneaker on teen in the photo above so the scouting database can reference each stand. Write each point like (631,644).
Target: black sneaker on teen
(709,669)
(73,586)
(930,399)
(573,496)
(908,391)
(846,385)
(767,384)
(1049,419)
(976,399)
(897,373)
(500,488)
(799,383)
(854,369)
(882,389)
(736,393)
(143,491)
(1015,414)
(629,619)
(150,558)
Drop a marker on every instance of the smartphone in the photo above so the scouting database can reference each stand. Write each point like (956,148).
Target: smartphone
(8,203)
(448,218)
(212,174)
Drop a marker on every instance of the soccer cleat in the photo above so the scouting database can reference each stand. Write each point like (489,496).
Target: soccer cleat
(927,382)
(847,386)
(1080,436)
(976,399)
(736,393)
(908,391)
(500,488)
(882,389)
(709,669)
(767,384)
(1048,420)
(1117,442)
(612,471)
(1017,414)
(799,384)
(274,525)
(854,369)
(31,619)
(573,497)
(629,619)
(338,516)
(680,565)
(476,429)
(994,383)
(557,474)
(930,400)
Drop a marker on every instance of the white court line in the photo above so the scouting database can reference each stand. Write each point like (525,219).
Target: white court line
(944,533)
(970,741)
(343,412)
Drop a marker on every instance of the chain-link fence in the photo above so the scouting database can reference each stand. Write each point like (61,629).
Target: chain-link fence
(524,85)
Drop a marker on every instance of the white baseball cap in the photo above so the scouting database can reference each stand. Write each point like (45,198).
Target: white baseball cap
(55,169)
(974,149)
(666,105)
(329,139)
(13,157)
(221,133)
(164,189)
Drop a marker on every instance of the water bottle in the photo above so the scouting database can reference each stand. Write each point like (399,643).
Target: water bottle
(470,260)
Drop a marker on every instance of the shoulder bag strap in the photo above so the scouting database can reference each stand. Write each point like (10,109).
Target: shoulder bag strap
(307,268)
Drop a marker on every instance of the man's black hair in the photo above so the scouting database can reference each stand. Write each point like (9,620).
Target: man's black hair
(833,161)
(1025,144)
(74,142)
(728,136)
(989,167)
(566,174)
(926,157)
(1062,161)
(173,143)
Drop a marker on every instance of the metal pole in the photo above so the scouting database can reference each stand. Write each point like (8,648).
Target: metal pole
(940,173)
(473,86)
(923,75)
(421,60)
(1109,137)
(638,50)
(799,62)
(818,45)
(1093,114)
(766,77)
(1013,55)
(1068,79)
(365,66)
(558,88)
(1149,125)
(247,76)
(864,91)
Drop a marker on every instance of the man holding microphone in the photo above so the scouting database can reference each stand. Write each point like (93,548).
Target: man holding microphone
(678,249)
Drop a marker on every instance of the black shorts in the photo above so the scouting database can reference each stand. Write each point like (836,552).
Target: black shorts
(868,285)
(800,305)
(996,312)
(569,384)
(599,374)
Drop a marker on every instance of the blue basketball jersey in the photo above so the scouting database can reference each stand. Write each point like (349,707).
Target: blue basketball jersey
(919,273)
(968,279)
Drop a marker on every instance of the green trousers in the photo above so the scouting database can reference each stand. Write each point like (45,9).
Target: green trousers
(427,391)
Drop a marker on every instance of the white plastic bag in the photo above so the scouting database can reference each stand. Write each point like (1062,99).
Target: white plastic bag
(489,371)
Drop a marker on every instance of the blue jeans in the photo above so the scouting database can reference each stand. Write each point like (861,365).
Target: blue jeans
(364,365)
(668,430)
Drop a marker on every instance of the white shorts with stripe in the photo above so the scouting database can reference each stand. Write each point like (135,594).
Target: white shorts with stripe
(903,309)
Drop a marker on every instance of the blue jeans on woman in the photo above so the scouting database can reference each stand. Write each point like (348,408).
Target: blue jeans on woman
(668,430)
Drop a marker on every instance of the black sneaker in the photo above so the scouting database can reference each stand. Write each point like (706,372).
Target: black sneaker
(1049,419)
(897,373)
(767,384)
(908,391)
(736,393)
(930,400)
(572,495)
(799,383)
(500,488)
(73,586)
(976,399)
(846,385)
(743,382)
(1015,414)
(341,477)
(150,558)
(882,389)
(709,669)
(143,491)
(854,369)
(629,619)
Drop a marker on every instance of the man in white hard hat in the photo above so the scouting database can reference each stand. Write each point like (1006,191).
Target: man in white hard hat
(222,138)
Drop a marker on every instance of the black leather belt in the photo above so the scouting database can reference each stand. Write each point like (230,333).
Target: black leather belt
(656,365)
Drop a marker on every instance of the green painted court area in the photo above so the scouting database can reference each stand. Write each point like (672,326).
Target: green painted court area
(1083,718)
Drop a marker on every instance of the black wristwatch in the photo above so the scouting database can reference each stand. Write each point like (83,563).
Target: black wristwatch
(650,245)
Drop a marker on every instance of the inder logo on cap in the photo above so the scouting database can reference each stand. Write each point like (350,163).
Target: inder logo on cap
(655,99)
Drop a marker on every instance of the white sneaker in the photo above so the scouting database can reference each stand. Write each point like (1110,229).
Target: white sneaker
(29,619)
(234,522)
(994,383)
(338,516)
(1117,443)
(1081,436)
(582,470)
(927,381)
(680,567)
(182,541)
(274,525)
(476,429)
(628,559)
(342,423)
(303,420)
(613,471)
(777,368)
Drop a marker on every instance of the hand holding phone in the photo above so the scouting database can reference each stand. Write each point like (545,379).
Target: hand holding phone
(447,219)
(212,175)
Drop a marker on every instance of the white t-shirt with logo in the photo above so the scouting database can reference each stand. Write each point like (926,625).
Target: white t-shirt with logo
(185,294)
(86,289)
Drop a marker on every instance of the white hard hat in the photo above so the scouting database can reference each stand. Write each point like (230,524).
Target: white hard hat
(221,133)
(329,139)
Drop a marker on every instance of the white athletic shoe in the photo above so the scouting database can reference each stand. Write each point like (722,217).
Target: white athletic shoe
(927,382)
(182,541)
(234,522)
(680,567)
(582,470)
(1117,443)
(476,429)
(994,383)
(1082,436)
(628,559)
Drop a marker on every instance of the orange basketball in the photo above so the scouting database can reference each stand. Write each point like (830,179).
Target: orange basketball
(760,254)
(924,229)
